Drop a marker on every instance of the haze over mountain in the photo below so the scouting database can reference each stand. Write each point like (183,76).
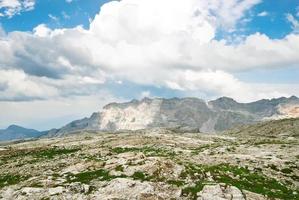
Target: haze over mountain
(14,132)
(186,114)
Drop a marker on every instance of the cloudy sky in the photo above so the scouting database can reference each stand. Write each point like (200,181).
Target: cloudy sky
(64,59)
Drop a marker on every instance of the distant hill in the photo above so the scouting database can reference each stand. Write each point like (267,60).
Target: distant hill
(184,114)
(15,132)
(277,128)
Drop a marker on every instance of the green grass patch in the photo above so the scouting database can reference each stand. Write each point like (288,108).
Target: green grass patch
(51,153)
(177,183)
(10,179)
(197,150)
(119,168)
(255,182)
(147,150)
(140,176)
(242,178)
(87,177)
(191,191)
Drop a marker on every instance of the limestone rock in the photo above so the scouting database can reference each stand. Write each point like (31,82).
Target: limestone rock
(218,192)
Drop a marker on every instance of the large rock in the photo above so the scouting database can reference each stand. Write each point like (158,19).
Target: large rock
(219,192)
(122,188)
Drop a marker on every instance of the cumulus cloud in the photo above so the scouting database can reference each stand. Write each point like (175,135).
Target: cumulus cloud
(162,43)
(9,8)
(16,85)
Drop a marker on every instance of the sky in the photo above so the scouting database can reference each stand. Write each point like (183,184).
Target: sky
(62,60)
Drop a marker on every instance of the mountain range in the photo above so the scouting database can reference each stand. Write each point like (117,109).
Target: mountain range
(184,114)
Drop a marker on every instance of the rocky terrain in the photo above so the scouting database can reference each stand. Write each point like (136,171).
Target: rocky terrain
(249,162)
(187,114)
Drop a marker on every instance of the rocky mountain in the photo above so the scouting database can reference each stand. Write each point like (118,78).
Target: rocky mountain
(15,132)
(184,114)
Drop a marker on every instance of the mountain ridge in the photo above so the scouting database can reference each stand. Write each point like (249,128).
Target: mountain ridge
(185,114)
(16,132)
(189,113)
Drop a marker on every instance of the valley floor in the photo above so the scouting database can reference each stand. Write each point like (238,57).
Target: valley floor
(151,164)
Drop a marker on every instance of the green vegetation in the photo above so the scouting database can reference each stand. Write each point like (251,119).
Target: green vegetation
(86,177)
(192,191)
(201,148)
(177,183)
(51,153)
(239,177)
(147,150)
(141,176)
(271,141)
(286,170)
(103,175)
(37,154)
(10,179)
(119,168)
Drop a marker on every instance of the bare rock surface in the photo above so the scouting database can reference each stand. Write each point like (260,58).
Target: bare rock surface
(256,162)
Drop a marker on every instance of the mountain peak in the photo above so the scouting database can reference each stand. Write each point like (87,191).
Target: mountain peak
(293,98)
(14,127)
(226,99)
(15,132)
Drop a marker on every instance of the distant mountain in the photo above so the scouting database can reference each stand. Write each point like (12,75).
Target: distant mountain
(183,113)
(15,132)
(271,129)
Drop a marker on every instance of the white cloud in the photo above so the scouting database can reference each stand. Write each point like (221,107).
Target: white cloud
(53,17)
(13,7)
(52,113)
(16,85)
(294,22)
(263,14)
(228,13)
(69,1)
(167,43)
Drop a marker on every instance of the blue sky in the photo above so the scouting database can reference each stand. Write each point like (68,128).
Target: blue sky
(50,67)
(78,12)
(68,15)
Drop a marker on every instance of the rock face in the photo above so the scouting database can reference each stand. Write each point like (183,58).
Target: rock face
(218,192)
(183,114)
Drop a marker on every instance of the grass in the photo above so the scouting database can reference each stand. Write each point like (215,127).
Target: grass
(87,177)
(192,191)
(201,148)
(9,179)
(147,150)
(177,183)
(239,177)
(119,168)
(103,175)
(38,154)
(51,153)
(256,182)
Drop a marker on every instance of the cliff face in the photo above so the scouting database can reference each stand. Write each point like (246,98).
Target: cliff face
(184,114)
